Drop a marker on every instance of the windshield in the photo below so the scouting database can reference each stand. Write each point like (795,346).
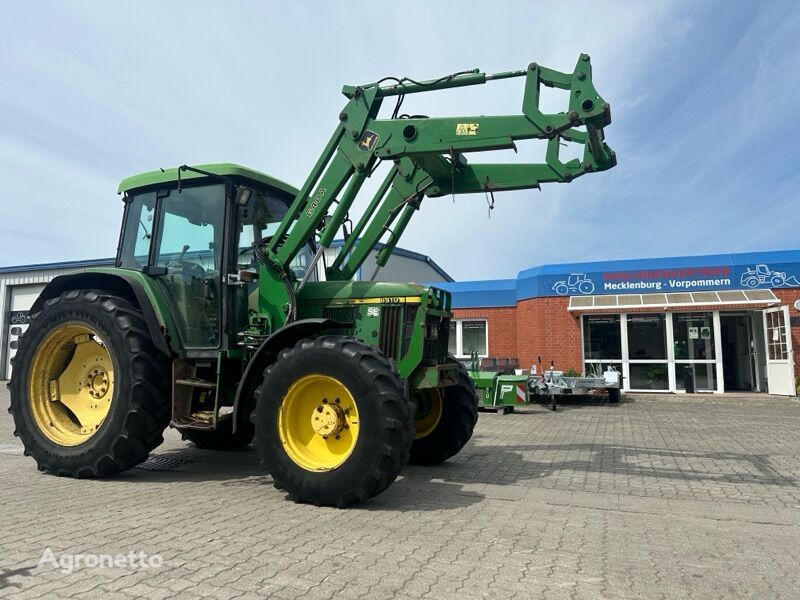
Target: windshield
(260,219)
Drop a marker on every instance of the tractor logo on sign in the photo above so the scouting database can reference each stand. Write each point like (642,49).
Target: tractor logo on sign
(19,317)
(763,275)
(576,283)
(368,141)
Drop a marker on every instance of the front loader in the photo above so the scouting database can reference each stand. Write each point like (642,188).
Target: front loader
(222,319)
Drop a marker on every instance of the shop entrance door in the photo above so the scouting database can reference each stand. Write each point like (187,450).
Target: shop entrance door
(780,359)
(738,364)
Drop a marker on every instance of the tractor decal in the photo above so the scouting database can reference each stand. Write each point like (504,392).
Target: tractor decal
(762,275)
(576,283)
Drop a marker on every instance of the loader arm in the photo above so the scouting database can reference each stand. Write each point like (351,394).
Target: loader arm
(428,157)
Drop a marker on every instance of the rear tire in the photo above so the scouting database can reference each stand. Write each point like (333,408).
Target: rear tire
(333,421)
(223,437)
(135,397)
(613,395)
(455,426)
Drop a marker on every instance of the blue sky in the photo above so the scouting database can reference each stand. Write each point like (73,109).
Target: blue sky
(703,94)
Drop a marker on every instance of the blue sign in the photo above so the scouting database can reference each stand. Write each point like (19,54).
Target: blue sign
(763,270)
(669,280)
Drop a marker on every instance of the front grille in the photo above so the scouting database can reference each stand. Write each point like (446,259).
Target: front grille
(409,314)
(436,347)
(391,330)
(343,314)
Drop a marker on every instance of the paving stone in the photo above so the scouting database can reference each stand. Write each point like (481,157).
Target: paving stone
(658,497)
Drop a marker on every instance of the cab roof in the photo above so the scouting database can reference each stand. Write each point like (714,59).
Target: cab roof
(225,169)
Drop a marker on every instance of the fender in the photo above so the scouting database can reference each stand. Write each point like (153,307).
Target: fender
(118,284)
(267,353)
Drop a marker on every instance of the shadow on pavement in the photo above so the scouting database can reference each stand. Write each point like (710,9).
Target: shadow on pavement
(508,465)
(240,469)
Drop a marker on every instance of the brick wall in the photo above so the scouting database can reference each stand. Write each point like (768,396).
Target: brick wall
(546,329)
(537,327)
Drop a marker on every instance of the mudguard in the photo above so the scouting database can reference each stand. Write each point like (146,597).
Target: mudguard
(118,284)
(268,352)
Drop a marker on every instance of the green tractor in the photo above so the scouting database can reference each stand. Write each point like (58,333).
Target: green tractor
(222,319)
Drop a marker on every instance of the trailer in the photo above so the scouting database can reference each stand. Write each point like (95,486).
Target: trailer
(552,383)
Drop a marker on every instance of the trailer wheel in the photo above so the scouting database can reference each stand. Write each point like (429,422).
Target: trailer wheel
(89,391)
(613,395)
(458,408)
(333,421)
(223,437)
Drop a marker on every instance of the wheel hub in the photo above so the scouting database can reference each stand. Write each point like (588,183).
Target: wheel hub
(328,419)
(318,422)
(97,382)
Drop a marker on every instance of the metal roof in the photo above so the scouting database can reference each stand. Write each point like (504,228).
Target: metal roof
(97,262)
(69,264)
(224,169)
(408,254)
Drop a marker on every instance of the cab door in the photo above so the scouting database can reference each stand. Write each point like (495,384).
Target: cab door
(187,258)
(780,358)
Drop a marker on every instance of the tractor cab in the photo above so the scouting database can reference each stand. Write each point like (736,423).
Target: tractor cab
(193,233)
(575,279)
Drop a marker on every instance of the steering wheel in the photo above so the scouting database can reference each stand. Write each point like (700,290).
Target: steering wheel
(187,269)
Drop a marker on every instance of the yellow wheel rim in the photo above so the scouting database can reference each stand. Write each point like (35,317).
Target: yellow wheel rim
(71,384)
(318,423)
(429,407)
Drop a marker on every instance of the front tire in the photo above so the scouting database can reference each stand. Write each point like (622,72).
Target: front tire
(89,391)
(458,416)
(333,421)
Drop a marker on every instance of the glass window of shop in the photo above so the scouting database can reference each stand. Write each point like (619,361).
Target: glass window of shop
(647,352)
(693,343)
(654,351)
(602,343)
(647,337)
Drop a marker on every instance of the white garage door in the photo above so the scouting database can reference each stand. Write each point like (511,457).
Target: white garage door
(22,298)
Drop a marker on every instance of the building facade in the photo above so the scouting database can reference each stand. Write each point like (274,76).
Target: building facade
(20,286)
(728,322)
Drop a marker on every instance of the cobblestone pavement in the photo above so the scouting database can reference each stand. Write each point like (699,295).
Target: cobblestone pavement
(657,497)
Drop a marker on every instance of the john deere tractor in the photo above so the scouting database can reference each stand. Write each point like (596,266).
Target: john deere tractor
(222,319)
